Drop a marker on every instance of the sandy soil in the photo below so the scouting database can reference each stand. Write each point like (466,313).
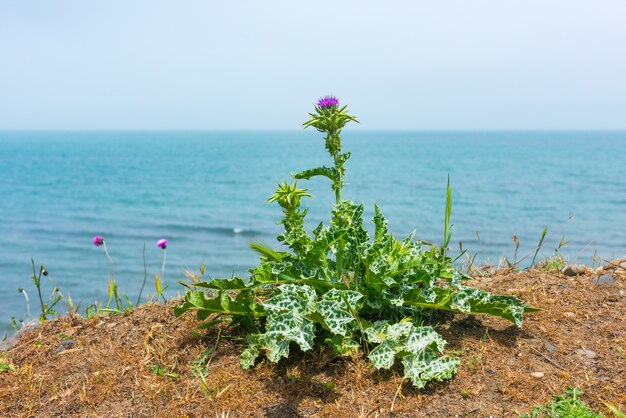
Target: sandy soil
(109,365)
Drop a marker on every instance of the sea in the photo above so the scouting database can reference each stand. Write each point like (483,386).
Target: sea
(206,193)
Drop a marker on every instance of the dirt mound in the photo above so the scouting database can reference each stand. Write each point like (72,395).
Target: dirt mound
(148,363)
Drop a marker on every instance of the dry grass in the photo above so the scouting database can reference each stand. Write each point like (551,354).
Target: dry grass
(142,364)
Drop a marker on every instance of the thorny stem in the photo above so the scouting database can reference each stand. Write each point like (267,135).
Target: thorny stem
(337,186)
(145,274)
(339,244)
(163,265)
(37,280)
(27,303)
(106,251)
(356,317)
(163,270)
(104,244)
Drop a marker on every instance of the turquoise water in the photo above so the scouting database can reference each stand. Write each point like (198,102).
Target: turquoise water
(205,193)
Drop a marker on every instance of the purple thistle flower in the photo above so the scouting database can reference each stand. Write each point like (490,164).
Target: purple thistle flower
(162,243)
(328,101)
(98,240)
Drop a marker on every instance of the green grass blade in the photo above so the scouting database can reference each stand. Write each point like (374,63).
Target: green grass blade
(543,237)
(268,252)
(447,229)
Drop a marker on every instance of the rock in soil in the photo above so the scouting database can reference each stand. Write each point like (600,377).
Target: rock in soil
(587,353)
(574,269)
(7,344)
(549,347)
(604,279)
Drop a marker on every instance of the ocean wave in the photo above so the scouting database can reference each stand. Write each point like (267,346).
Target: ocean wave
(212,230)
(143,232)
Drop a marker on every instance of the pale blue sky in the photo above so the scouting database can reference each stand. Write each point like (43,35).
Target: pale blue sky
(122,64)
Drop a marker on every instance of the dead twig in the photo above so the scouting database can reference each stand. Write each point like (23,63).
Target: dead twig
(393,403)
(554,363)
(222,364)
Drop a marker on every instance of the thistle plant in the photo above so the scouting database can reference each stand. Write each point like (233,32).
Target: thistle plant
(158,280)
(112,284)
(339,288)
(55,296)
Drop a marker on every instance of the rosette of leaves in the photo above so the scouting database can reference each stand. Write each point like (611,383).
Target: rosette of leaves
(341,288)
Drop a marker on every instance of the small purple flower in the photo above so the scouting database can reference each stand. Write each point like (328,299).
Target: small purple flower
(98,240)
(328,101)
(162,243)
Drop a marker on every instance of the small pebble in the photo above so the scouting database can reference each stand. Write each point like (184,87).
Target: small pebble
(537,375)
(604,279)
(551,348)
(60,349)
(574,269)
(8,343)
(491,371)
(67,342)
(603,378)
(623,265)
(569,314)
(587,353)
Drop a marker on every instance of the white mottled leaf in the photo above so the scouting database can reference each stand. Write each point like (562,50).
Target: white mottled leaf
(421,338)
(427,366)
(277,350)
(383,356)
(418,347)
(248,357)
(336,318)
(336,312)
(376,333)
(396,331)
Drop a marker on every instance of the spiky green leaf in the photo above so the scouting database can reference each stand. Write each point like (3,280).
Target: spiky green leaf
(328,172)
(470,300)
(197,300)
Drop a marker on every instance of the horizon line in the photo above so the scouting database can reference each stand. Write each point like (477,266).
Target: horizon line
(251,130)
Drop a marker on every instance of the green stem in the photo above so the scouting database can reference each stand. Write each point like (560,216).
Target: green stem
(37,281)
(106,251)
(338,200)
(145,275)
(339,244)
(163,265)
(337,195)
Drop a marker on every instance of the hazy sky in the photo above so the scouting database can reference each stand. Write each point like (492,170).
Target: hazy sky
(130,64)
